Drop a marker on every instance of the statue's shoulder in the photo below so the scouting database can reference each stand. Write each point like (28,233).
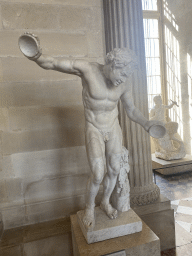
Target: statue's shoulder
(96,67)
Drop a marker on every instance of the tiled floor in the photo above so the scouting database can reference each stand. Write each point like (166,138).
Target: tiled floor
(54,238)
(178,189)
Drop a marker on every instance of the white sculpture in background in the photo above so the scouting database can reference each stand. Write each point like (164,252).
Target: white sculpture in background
(169,147)
(103,87)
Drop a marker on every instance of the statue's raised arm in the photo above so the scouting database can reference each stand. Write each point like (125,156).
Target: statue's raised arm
(29,45)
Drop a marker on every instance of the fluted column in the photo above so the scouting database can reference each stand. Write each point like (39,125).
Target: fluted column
(123,22)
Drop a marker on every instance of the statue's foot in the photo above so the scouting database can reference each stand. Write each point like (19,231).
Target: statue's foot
(110,211)
(89,219)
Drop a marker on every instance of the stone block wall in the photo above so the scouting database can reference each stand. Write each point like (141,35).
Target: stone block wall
(44,167)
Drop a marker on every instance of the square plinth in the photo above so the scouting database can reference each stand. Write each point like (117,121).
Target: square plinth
(170,167)
(144,243)
(105,228)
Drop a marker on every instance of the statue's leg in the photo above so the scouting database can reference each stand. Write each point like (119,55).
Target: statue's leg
(113,158)
(95,154)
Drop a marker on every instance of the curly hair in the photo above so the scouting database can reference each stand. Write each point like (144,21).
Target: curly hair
(122,57)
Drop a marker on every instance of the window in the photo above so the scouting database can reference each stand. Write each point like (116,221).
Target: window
(150,5)
(162,56)
(152,59)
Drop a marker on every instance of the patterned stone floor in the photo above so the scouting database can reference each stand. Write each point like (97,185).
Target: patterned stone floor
(178,188)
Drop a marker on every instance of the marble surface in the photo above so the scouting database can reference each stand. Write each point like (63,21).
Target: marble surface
(142,243)
(175,187)
(178,188)
(172,166)
(105,228)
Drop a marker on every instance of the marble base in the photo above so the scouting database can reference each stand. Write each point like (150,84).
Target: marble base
(173,166)
(126,223)
(144,243)
(160,218)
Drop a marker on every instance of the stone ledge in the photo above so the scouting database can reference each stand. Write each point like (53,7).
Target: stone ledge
(173,166)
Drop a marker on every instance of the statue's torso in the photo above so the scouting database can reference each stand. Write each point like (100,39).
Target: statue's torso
(160,113)
(100,98)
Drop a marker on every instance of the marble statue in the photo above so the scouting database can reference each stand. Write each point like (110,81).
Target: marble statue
(103,86)
(170,147)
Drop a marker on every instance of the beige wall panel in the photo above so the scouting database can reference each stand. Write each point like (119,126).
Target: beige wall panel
(7,168)
(74,18)
(95,19)
(95,44)
(63,44)
(1,152)
(46,93)
(52,43)
(61,2)
(21,69)
(45,211)
(57,209)
(4,120)
(13,217)
(54,209)
(2,191)
(0,19)
(56,245)
(1,71)
(55,188)
(40,16)
(13,192)
(38,118)
(80,19)
(18,142)
(29,16)
(48,163)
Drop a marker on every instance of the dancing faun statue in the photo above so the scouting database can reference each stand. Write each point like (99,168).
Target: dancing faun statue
(103,86)
(171,146)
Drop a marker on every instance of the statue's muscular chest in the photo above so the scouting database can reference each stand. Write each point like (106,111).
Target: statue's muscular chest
(97,88)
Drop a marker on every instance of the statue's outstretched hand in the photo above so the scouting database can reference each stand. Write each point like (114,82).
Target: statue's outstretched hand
(175,103)
(29,45)
(155,128)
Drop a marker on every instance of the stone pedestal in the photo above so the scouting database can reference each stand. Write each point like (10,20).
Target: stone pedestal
(105,228)
(144,243)
(172,167)
(160,218)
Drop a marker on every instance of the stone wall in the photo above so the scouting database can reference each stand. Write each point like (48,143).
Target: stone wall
(43,159)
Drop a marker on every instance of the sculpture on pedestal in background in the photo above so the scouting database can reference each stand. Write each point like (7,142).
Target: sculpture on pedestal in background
(103,87)
(169,147)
